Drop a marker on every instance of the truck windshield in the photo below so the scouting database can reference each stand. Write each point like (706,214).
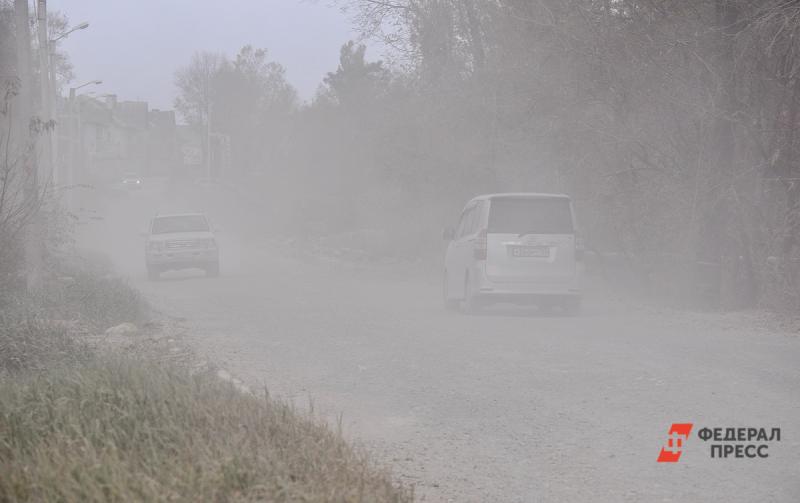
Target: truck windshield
(186,223)
(530,215)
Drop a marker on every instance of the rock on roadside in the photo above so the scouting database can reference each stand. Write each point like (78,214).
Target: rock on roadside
(123,329)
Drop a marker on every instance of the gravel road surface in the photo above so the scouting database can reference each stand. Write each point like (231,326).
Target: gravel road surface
(510,406)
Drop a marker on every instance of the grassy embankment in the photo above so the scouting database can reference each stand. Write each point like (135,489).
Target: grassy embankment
(82,423)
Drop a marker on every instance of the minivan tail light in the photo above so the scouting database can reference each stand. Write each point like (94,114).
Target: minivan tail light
(579,248)
(479,252)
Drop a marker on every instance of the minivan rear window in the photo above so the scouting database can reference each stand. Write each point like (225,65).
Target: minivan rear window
(530,215)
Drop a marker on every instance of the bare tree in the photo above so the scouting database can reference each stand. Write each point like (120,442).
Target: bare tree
(196,86)
(21,200)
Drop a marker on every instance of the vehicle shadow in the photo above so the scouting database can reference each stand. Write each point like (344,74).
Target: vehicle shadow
(508,310)
(184,275)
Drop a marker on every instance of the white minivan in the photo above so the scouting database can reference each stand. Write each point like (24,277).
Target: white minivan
(516,248)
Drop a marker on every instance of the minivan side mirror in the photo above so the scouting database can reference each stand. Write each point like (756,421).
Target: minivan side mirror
(448,233)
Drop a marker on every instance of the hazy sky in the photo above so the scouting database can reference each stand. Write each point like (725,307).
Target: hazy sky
(135,46)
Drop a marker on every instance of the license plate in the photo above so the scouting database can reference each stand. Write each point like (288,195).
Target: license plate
(529,251)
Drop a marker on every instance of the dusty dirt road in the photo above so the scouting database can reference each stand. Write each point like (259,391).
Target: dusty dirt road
(506,407)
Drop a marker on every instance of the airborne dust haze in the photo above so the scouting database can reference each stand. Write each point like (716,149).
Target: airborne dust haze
(616,182)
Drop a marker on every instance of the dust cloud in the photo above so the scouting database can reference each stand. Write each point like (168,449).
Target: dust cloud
(615,183)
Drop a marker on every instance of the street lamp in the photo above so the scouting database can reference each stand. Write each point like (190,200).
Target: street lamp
(75,134)
(81,26)
(52,50)
(88,83)
(73,89)
(51,45)
(53,94)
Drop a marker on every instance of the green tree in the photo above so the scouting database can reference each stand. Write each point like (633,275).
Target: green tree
(356,84)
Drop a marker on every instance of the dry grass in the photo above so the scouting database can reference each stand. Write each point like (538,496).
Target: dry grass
(82,425)
(122,430)
(88,289)
(28,343)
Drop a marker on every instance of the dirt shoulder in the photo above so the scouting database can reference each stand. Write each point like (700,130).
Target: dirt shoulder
(511,405)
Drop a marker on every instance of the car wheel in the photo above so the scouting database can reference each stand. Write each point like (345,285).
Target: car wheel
(470,304)
(212,271)
(449,304)
(153,274)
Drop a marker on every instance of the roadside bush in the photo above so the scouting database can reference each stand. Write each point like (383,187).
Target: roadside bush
(35,327)
(782,291)
(29,343)
(105,300)
(11,279)
(122,430)
(87,288)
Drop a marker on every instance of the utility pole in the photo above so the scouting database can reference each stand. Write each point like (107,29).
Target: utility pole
(46,113)
(75,144)
(23,39)
(74,137)
(60,163)
(45,161)
(32,237)
(208,139)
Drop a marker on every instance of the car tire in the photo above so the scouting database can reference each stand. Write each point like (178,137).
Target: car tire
(449,304)
(212,271)
(153,274)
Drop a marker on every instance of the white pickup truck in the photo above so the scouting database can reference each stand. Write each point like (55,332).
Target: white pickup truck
(180,241)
